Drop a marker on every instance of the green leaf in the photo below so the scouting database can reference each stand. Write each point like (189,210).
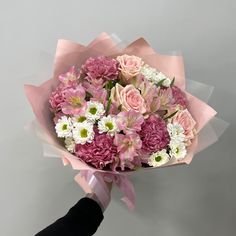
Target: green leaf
(110,84)
(171,115)
(160,83)
(172,82)
(108,106)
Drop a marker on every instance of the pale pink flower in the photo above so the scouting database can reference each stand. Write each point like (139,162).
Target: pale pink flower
(150,94)
(70,78)
(100,69)
(98,94)
(185,119)
(128,97)
(74,101)
(165,96)
(129,121)
(127,146)
(129,66)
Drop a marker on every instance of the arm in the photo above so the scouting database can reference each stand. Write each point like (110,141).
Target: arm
(83,219)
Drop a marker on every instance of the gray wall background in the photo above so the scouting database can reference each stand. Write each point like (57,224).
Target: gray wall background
(183,201)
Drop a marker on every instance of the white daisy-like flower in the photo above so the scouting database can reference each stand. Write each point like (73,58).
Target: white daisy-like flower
(64,127)
(150,73)
(70,144)
(155,76)
(94,110)
(83,132)
(161,76)
(166,82)
(176,132)
(159,158)
(108,124)
(177,150)
(79,119)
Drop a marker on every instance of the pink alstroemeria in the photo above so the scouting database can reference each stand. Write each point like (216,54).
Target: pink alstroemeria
(129,121)
(74,101)
(70,78)
(165,96)
(98,94)
(150,94)
(127,146)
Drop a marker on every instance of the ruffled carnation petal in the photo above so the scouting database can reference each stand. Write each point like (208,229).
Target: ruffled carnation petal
(154,135)
(100,153)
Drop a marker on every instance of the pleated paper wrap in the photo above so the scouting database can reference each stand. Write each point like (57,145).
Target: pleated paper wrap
(70,53)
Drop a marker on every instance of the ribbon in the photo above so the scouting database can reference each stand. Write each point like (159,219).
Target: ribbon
(95,182)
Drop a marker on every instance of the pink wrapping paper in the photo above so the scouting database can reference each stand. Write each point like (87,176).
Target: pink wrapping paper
(70,53)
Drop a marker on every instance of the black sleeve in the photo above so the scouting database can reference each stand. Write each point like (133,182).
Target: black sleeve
(82,219)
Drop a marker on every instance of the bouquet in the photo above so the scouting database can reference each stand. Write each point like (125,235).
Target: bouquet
(109,111)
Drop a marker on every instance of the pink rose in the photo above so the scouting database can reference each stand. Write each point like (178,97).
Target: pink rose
(130,66)
(185,119)
(128,97)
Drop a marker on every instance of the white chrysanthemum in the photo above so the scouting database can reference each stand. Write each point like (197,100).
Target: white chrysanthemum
(70,144)
(177,150)
(108,124)
(161,76)
(154,76)
(166,82)
(94,110)
(150,73)
(79,119)
(176,132)
(83,132)
(159,158)
(64,127)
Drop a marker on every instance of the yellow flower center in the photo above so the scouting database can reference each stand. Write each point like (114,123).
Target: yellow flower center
(64,127)
(109,125)
(75,101)
(93,110)
(72,77)
(158,158)
(84,133)
(81,119)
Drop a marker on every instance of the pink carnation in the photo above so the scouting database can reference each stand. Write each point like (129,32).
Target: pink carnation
(58,116)
(99,153)
(57,98)
(100,69)
(154,134)
(178,97)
